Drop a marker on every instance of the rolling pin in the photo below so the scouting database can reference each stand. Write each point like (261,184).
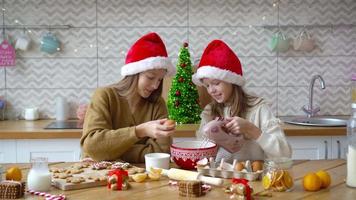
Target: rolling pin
(185,175)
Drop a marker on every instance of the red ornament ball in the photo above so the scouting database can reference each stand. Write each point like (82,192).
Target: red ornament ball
(181,79)
(176,103)
(178,93)
(185,44)
(183,65)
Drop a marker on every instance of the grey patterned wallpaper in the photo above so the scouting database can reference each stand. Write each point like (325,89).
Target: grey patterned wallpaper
(93,50)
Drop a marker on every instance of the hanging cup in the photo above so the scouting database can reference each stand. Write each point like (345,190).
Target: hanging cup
(23,42)
(279,42)
(304,42)
(50,43)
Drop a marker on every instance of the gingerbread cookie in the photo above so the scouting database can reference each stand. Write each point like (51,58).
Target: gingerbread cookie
(57,170)
(74,171)
(97,178)
(75,180)
(61,175)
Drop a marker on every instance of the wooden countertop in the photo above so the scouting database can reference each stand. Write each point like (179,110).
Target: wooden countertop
(22,129)
(157,190)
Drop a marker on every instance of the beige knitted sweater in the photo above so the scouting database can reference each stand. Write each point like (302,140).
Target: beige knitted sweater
(109,128)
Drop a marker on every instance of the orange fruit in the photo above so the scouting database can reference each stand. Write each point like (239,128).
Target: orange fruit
(311,182)
(266,182)
(14,173)
(324,177)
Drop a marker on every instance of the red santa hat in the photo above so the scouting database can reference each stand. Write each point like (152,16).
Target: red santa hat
(219,62)
(149,52)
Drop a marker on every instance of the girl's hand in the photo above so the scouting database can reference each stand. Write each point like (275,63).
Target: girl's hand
(155,129)
(238,125)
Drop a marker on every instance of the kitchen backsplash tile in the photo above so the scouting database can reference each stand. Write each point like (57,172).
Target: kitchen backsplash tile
(291,100)
(45,99)
(2,78)
(268,93)
(231,13)
(298,71)
(244,41)
(334,100)
(94,49)
(53,73)
(259,71)
(75,42)
(115,42)
(78,13)
(109,71)
(310,12)
(136,13)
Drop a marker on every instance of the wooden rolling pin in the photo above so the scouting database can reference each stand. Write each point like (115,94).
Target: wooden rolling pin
(185,175)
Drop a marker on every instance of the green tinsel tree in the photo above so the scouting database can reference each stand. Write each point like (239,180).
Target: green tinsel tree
(183,98)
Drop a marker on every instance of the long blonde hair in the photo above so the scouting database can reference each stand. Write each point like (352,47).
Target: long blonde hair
(129,85)
(240,103)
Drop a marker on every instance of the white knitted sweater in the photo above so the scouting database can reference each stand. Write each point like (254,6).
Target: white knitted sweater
(272,142)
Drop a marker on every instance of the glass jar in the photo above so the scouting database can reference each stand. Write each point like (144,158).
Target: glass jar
(39,177)
(353,88)
(277,175)
(1,171)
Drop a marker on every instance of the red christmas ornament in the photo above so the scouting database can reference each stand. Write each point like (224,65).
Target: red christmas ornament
(183,65)
(176,103)
(185,44)
(181,79)
(177,93)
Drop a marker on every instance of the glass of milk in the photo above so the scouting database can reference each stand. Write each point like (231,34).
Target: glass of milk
(39,177)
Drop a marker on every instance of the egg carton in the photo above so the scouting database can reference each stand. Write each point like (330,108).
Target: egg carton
(226,170)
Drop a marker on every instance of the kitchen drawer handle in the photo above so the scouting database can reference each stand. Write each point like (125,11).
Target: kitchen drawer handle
(326,149)
(338,149)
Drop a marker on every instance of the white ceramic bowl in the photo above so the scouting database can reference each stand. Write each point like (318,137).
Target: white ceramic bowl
(157,160)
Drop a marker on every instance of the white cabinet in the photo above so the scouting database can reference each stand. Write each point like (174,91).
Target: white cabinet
(318,147)
(54,149)
(339,147)
(310,147)
(7,151)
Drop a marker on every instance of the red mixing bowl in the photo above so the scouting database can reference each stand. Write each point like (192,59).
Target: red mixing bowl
(186,154)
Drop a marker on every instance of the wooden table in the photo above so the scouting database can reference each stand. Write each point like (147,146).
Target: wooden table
(161,190)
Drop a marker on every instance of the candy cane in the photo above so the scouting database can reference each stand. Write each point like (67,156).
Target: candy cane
(47,195)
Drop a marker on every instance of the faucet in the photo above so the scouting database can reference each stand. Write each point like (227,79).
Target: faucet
(310,111)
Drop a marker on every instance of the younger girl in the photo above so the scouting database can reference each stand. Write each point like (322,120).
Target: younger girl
(220,72)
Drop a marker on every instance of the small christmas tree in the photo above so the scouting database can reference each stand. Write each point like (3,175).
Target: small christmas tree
(183,98)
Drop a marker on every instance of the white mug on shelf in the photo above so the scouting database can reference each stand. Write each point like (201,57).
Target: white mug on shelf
(23,42)
(31,113)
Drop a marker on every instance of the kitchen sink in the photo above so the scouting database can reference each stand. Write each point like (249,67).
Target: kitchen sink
(315,121)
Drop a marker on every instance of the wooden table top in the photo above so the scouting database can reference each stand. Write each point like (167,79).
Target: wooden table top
(22,129)
(157,190)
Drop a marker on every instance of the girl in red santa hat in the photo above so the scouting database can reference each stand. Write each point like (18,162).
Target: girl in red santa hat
(126,120)
(252,131)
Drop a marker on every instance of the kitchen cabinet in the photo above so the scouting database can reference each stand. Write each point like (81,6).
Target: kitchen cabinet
(55,150)
(7,151)
(310,147)
(339,147)
(318,147)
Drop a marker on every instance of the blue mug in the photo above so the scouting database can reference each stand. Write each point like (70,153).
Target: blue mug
(49,43)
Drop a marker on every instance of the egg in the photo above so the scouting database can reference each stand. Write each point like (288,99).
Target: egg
(169,122)
(257,165)
(239,166)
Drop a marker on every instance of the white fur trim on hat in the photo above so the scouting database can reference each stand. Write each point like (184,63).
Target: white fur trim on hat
(217,73)
(147,64)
